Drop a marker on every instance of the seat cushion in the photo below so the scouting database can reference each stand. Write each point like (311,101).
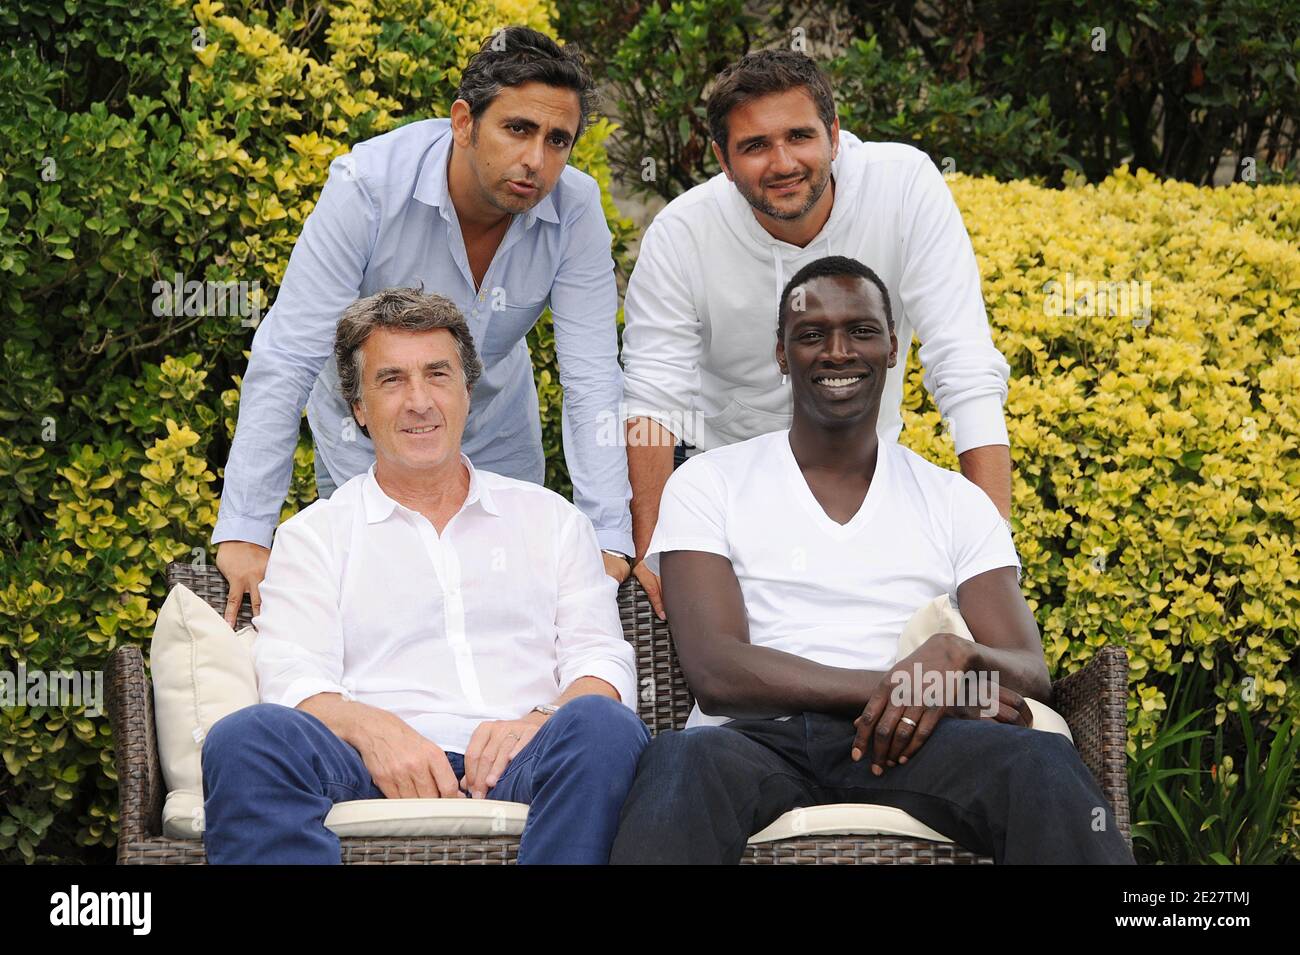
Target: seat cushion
(846,818)
(202,670)
(399,818)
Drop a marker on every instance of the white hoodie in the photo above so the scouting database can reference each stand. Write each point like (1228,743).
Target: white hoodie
(700,311)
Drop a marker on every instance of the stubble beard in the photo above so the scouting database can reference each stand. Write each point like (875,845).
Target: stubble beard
(756,199)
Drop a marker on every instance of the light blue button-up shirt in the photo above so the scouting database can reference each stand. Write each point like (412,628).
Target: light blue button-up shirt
(385,218)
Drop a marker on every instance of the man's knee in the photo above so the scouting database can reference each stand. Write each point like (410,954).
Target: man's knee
(602,723)
(239,731)
(684,760)
(1048,764)
(1048,754)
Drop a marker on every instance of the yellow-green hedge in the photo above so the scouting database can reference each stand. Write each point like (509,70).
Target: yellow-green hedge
(1157,481)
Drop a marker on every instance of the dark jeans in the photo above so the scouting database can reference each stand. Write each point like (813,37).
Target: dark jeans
(272,773)
(1019,795)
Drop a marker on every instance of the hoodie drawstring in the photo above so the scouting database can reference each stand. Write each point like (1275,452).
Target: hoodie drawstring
(779,273)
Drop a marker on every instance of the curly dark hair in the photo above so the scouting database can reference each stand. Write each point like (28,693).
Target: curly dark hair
(516,55)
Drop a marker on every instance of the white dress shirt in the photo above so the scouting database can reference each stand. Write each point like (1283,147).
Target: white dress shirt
(502,611)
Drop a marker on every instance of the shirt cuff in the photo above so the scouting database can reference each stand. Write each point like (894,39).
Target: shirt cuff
(675,420)
(977,422)
(613,538)
(235,528)
(616,676)
(306,687)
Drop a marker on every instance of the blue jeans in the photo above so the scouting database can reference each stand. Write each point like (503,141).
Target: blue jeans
(272,773)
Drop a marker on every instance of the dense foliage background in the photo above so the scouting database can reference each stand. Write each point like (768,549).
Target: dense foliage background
(1016,89)
(1157,475)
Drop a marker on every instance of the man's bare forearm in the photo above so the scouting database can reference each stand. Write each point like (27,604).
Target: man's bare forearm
(339,714)
(743,681)
(990,467)
(650,449)
(1024,672)
(582,686)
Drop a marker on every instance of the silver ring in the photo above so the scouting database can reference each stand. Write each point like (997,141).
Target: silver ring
(515,735)
(907,721)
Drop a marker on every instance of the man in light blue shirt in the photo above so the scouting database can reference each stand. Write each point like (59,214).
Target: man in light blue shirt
(483,209)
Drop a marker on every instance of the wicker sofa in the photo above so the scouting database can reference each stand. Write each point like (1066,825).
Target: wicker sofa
(1092,701)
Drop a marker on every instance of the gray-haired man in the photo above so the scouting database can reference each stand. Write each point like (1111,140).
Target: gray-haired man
(430,630)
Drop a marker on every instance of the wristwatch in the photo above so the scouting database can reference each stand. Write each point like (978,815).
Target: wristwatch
(546,709)
(616,553)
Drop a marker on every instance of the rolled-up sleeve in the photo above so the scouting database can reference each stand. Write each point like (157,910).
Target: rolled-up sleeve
(940,291)
(589,634)
(662,337)
(298,651)
(584,308)
(290,347)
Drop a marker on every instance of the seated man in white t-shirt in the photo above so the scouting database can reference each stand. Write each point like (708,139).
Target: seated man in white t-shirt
(791,563)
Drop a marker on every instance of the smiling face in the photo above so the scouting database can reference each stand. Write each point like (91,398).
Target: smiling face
(837,350)
(414,401)
(520,144)
(779,153)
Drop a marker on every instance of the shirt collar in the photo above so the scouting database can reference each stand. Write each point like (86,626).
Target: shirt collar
(379,506)
(431,187)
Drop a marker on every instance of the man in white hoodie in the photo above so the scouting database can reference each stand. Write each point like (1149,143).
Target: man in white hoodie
(702,301)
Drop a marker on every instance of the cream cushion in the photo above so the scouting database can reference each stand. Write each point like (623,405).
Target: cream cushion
(202,671)
(394,818)
(938,616)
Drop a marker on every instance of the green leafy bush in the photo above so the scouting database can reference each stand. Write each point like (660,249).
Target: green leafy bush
(140,141)
(1226,813)
(1006,89)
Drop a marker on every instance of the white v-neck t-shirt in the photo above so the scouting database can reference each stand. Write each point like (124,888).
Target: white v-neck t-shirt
(837,594)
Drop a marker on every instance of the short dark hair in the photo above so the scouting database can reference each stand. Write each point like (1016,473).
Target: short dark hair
(404,309)
(516,55)
(831,265)
(760,73)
